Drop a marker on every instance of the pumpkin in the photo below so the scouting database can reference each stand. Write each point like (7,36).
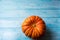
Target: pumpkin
(33,26)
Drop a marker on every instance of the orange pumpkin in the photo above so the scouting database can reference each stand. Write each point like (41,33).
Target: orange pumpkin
(33,27)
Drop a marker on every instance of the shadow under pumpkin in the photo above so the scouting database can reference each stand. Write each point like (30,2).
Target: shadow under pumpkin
(46,36)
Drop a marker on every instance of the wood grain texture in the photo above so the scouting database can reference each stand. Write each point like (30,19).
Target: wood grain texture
(13,12)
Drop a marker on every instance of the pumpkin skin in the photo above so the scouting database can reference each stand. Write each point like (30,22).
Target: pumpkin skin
(33,27)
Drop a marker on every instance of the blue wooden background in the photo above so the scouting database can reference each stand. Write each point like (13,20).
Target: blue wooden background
(13,12)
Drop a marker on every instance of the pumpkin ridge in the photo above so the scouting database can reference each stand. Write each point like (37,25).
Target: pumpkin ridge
(27,31)
(30,32)
(32,19)
(25,28)
(33,34)
(37,32)
(40,31)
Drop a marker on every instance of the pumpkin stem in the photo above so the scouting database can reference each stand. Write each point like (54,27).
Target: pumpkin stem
(33,25)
